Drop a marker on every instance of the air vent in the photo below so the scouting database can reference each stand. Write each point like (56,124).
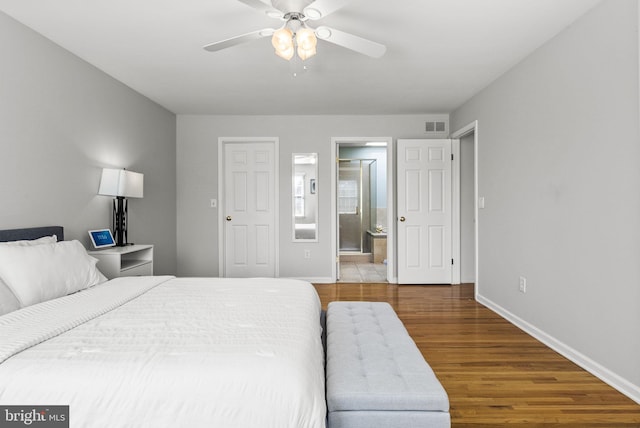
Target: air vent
(435,127)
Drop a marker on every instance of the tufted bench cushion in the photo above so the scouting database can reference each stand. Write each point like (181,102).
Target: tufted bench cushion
(376,376)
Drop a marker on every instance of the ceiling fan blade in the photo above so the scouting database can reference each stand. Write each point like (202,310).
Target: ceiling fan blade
(223,44)
(264,8)
(321,8)
(350,41)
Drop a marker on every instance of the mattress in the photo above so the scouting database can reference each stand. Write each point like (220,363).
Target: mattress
(171,352)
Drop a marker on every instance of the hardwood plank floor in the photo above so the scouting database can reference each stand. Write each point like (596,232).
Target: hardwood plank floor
(495,374)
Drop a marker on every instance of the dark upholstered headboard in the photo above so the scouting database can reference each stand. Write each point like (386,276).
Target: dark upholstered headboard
(31,233)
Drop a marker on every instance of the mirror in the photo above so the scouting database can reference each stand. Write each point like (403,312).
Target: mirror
(305,197)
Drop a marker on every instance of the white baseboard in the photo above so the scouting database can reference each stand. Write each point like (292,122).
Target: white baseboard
(317,280)
(328,280)
(624,386)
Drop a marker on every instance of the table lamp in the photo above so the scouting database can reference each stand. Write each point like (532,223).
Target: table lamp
(122,184)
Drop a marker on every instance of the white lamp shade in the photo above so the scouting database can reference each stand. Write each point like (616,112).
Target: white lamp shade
(120,182)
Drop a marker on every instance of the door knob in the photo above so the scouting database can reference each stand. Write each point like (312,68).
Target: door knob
(402,219)
(228,218)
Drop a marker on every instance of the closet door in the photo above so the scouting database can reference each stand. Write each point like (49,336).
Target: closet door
(249,209)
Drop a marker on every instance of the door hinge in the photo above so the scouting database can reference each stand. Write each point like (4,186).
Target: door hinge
(451,156)
(452,261)
(337,259)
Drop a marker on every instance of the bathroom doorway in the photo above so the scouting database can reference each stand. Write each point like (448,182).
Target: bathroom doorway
(362,212)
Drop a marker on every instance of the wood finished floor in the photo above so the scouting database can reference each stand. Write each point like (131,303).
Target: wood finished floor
(495,374)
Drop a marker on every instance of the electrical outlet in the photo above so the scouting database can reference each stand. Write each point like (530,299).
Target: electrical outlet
(307,254)
(523,284)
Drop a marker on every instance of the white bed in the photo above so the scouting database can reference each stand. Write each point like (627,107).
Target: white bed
(171,352)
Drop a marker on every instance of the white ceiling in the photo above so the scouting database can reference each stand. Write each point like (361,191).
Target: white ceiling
(439,52)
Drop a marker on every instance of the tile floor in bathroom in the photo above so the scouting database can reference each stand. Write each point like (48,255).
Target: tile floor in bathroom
(362,272)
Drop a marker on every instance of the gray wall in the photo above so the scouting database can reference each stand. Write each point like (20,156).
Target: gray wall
(61,121)
(197,160)
(559,166)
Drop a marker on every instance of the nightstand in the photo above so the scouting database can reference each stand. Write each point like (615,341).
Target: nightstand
(130,260)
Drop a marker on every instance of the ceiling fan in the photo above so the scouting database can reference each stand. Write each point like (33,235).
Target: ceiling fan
(295,35)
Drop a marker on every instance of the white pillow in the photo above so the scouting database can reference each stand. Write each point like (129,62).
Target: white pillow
(38,273)
(8,302)
(28,242)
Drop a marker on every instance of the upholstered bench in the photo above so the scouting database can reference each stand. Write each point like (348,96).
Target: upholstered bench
(376,376)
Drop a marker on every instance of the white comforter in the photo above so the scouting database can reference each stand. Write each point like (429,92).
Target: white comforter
(186,353)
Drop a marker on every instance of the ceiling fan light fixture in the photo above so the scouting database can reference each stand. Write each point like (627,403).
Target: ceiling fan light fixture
(295,36)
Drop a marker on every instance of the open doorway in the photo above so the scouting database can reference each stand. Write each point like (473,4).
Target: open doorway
(361,210)
(466,250)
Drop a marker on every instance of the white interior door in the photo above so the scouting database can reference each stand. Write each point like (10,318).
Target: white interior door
(424,212)
(249,209)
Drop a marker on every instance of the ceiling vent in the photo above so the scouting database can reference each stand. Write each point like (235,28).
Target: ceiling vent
(433,127)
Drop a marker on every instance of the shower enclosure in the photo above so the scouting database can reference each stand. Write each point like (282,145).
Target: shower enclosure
(357,204)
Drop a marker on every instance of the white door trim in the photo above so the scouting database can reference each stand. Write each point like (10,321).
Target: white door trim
(455,210)
(222,142)
(471,128)
(392,276)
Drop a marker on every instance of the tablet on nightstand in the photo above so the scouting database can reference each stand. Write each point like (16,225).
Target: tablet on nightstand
(102,238)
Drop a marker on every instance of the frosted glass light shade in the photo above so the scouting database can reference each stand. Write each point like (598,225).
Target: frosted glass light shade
(306,39)
(120,182)
(282,40)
